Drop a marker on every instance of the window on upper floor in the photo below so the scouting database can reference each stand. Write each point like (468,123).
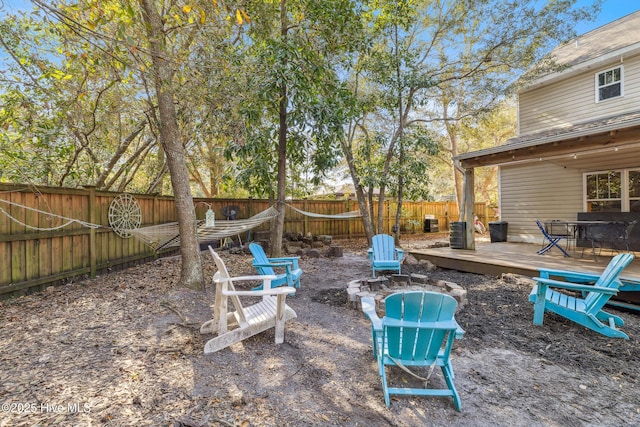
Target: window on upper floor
(609,84)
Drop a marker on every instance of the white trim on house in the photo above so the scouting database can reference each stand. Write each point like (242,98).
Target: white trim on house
(609,44)
(617,56)
(542,172)
(619,82)
(625,198)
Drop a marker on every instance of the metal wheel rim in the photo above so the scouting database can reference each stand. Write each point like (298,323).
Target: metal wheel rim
(124,215)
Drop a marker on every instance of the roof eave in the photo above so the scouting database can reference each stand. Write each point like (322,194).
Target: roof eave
(595,63)
(563,142)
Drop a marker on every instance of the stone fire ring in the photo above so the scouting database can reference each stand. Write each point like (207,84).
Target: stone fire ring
(381,287)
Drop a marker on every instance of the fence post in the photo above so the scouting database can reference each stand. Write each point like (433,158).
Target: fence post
(348,206)
(92,231)
(486,214)
(305,222)
(154,214)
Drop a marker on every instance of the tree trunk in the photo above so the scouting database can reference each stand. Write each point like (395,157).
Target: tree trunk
(372,212)
(400,191)
(457,172)
(191,274)
(357,185)
(381,199)
(278,228)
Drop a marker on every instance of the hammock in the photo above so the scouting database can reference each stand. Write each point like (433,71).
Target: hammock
(49,215)
(167,235)
(344,215)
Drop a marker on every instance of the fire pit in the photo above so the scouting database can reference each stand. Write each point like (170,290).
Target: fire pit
(380,287)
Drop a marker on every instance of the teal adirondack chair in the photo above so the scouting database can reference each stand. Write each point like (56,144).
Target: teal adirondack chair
(586,311)
(384,255)
(265,266)
(417,330)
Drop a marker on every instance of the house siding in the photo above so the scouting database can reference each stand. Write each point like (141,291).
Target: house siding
(540,190)
(551,186)
(572,101)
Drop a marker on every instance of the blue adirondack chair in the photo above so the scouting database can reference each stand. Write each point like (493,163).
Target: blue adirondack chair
(265,266)
(586,311)
(417,330)
(384,255)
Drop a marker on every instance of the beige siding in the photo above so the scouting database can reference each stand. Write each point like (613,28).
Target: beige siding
(540,190)
(573,101)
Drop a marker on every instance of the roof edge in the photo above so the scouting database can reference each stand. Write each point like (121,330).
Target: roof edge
(585,66)
(559,136)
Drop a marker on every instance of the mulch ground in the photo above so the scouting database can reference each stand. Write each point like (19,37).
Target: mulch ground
(124,349)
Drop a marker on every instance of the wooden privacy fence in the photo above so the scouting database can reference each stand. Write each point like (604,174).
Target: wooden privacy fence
(39,248)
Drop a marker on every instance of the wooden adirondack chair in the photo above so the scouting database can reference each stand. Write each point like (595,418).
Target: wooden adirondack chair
(417,330)
(265,266)
(384,255)
(271,312)
(586,311)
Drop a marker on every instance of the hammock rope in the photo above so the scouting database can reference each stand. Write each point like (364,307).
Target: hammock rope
(344,215)
(167,235)
(69,221)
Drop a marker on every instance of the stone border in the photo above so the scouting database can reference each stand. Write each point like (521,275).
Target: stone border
(381,287)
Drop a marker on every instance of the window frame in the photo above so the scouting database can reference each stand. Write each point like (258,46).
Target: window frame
(625,196)
(620,82)
(635,199)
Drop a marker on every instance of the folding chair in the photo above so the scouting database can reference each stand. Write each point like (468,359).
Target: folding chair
(552,240)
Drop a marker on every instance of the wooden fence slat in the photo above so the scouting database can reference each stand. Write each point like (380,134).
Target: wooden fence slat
(18,248)
(31,257)
(32,253)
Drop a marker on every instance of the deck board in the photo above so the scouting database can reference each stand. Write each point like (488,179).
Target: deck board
(497,258)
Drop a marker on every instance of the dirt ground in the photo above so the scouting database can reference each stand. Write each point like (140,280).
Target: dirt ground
(124,349)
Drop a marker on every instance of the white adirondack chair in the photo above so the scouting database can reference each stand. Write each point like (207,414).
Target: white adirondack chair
(271,312)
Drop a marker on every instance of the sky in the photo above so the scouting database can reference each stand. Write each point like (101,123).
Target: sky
(611,10)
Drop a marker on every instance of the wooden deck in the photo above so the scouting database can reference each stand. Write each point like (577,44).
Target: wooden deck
(521,258)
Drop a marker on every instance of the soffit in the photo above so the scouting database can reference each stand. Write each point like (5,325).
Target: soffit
(604,46)
(608,135)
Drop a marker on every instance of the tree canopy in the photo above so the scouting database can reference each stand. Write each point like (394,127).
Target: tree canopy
(263,97)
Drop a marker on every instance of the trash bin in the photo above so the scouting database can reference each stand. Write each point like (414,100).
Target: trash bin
(458,235)
(430,225)
(498,231)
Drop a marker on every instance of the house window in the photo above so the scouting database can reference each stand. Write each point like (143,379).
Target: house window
(609,84)
(634,190)
(604,192)
(613,191)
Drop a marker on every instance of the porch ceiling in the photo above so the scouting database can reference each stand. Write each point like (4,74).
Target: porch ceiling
(617,138)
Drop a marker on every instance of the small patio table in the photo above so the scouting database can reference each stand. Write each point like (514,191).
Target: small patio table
(594,231)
